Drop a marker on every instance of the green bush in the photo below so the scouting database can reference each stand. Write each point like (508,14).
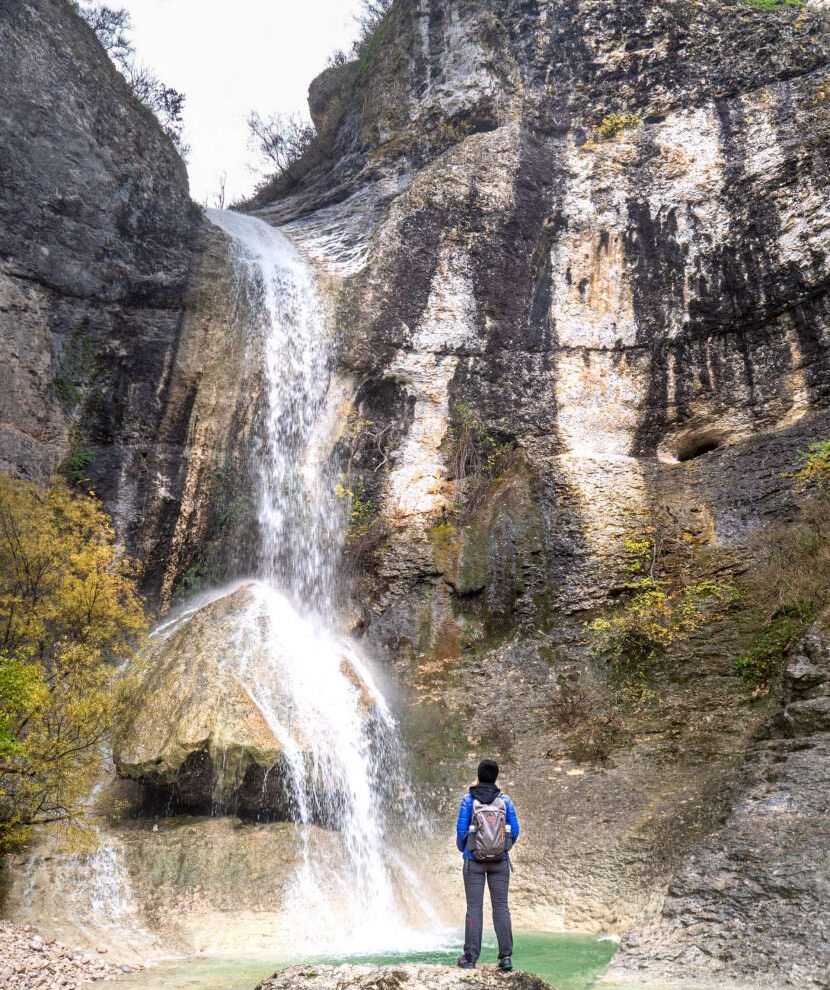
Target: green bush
(478,460)
(789,586)
(363,511)
(815,465)
(614,124)
(764,660)
(69,612)
(75,466)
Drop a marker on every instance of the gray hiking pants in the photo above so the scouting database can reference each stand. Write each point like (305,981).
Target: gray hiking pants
(497,878)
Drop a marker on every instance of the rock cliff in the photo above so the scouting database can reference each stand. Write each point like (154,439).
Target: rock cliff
(765,870)
(115,302)
(579,256)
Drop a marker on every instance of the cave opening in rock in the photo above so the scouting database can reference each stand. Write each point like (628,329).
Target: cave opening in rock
(694,447)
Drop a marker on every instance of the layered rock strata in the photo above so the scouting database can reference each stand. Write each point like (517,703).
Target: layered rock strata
(580,257)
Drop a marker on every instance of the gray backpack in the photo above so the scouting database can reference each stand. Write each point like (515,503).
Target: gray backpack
(489,820)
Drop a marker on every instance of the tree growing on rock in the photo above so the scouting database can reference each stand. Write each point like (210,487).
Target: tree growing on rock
(113,25)
(369,18)
(69,612)
(281,141)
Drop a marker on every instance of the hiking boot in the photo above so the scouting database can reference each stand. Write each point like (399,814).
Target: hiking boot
(506,964)
(464,962)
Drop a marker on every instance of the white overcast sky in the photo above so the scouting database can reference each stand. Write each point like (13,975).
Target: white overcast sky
(230,58)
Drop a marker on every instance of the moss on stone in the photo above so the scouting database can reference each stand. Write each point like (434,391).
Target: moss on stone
(444,539)
(764,661)
(773,4)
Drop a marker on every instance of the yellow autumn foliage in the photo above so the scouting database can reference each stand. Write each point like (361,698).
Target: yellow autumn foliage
(69,614)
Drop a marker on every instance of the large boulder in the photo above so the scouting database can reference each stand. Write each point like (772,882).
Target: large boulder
(223,714)
(220,716)
(195,733)
(399,978)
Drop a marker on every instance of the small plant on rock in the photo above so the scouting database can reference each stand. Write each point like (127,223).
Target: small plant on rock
(773,4)
(791,584)
(363,511)
(477,458)
(659,612)
(763,661)
(814,468)
(614,124)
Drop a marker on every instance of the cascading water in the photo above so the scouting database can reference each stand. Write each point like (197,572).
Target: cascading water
(298,515)
(315,690)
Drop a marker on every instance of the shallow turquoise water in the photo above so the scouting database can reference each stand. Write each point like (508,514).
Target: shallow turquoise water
(570,962)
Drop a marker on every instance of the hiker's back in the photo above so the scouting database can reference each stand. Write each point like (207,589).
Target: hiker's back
(489,839)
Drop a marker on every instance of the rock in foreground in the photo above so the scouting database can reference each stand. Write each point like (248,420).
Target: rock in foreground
(399,978)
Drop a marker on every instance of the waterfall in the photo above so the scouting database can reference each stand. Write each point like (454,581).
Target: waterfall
(314,688)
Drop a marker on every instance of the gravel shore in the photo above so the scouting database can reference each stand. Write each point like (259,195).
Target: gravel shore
(29,961)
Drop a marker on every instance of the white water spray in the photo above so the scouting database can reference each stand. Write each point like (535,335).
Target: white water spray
(315,690)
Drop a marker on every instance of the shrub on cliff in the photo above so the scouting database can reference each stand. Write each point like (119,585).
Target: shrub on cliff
(791,583)
(814,467)
(661,608)
(773,4)
(477,458)
(369,18)
(113,25)
(281,141)
(68,610)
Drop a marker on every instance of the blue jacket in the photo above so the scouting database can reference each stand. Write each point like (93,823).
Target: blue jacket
(465,816)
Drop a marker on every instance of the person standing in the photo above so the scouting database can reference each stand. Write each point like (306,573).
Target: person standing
(486,830)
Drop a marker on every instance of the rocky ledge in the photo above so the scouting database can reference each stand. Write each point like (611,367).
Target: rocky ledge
(753,896)
(30,962)
(399,977)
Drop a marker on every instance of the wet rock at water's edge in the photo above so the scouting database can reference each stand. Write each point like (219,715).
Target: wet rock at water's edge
(196,739)
(399,978)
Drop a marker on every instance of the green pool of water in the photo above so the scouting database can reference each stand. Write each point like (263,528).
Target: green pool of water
(569,962)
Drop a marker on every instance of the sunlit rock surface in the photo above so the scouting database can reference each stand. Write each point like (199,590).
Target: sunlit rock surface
(217,712)
(195,731)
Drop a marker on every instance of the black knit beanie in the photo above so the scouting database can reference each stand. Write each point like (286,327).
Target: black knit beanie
(488,771)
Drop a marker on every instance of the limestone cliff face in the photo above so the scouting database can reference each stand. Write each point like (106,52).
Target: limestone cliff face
(112,321)
(609,298)
(578,252)
(599,235)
